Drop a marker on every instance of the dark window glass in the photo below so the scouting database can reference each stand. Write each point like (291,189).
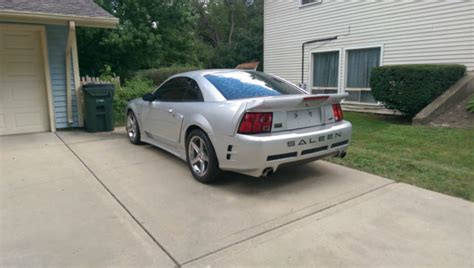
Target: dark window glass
(361,96)
(179,89)
(326,69)
(169,91)
(359,66)
(192,92)
(247,84)
(305,2)
(324,91)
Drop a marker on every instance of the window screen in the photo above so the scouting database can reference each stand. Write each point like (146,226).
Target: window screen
(326,69)
(359,65)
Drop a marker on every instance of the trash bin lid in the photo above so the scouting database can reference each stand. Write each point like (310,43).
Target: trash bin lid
(98,90)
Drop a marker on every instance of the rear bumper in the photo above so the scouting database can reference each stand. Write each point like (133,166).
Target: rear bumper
(252,154)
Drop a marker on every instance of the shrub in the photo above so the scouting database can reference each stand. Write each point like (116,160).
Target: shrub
(133,88)
(409,88)
(470,105)
(159,75)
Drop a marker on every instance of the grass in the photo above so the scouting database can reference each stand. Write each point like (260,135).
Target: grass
(438,159)
(470,105)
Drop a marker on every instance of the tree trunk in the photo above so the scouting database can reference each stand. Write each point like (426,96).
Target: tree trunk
(232,25)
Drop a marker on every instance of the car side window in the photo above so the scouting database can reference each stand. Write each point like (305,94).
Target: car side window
(179,89)
(169,91)
(192,92)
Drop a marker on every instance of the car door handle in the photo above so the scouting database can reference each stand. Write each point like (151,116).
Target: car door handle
(170,110)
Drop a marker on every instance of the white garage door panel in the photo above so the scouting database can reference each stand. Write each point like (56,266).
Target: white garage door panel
(23,100)
(19,41)
(26,119)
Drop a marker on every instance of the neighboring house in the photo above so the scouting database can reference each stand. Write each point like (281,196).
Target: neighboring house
(39,71)
(381,33)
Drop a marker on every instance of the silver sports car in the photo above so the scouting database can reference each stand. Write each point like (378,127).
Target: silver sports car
(234,120)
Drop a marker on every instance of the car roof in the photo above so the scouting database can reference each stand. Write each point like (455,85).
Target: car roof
(209,71)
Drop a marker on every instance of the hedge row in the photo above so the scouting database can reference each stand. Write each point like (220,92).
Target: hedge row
(143,82)
(133,88)
(159,75)
(470,105)
(409,88)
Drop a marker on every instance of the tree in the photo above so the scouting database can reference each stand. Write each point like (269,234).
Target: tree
(233,29)
(164,33)
(150,34)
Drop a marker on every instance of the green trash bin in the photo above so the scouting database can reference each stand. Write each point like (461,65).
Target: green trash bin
(98,107)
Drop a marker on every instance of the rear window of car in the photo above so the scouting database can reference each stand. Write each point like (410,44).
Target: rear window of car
(247,84)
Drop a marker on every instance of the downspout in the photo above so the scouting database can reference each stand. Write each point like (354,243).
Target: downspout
(302,54)
(77,79)
(327,39)
(68,73)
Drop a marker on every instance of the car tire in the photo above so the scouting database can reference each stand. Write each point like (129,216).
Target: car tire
(132,128)
(200,154)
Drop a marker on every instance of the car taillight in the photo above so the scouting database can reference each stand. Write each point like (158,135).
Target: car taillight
(337,111)
(254,123)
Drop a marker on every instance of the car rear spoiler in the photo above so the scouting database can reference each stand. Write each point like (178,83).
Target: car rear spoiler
(293,102)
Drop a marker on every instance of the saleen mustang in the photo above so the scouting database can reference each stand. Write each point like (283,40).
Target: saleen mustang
(235,120)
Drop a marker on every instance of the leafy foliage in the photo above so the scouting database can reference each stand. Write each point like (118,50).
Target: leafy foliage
(164,33)
(470,105)
(232,29)
(133,88)
(159,75)
(409,88)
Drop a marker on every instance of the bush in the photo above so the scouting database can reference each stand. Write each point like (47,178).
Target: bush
(470,105)
(133,88)
(409,88)
(159,75)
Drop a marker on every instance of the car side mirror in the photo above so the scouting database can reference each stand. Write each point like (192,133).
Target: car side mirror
(148,97)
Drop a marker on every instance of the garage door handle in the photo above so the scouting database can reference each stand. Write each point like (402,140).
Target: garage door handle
(170,110)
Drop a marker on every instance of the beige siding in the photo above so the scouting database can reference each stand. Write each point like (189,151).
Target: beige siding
(409,32)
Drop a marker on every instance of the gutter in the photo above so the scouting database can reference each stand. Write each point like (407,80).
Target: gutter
(60,19)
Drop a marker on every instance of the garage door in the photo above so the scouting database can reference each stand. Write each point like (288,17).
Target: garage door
(23,99)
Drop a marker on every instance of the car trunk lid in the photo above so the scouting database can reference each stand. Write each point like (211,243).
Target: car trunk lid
(297,111)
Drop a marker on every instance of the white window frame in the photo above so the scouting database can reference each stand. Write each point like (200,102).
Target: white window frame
(311,68)
(345,71)
(300,2)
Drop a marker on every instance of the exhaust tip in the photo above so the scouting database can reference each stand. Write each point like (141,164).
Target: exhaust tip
(342,154)
(267,172)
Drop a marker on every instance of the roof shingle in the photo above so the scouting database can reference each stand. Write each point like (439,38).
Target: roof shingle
(83,8)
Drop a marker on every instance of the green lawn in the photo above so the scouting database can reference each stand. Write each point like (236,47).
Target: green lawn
(439,159)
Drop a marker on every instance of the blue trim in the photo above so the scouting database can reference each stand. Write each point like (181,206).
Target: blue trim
(57,40)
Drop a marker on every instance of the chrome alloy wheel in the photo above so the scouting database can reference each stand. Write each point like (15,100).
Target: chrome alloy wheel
(131,126)
(198,155)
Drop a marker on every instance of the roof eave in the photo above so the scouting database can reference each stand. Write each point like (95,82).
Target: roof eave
(47,18)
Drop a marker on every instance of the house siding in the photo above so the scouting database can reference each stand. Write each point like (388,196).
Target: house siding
(57,40)
(409,32)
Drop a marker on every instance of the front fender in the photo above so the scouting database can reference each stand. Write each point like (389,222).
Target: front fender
(135,108)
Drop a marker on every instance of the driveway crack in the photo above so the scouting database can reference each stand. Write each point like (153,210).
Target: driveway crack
(120,203)
(288,223)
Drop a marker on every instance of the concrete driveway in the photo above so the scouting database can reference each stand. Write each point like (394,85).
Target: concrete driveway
(78,199)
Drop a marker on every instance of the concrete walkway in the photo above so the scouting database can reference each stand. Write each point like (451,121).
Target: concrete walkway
(53,212)
(96,200)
